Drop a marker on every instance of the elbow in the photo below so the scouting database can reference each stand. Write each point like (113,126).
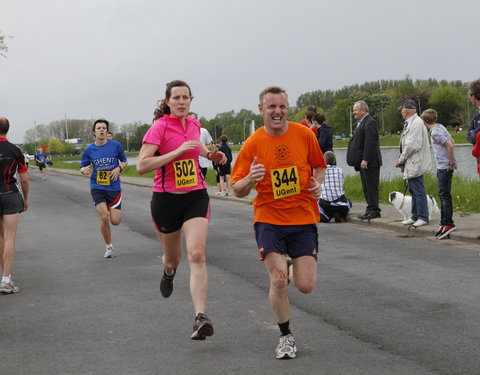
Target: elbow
(140,169)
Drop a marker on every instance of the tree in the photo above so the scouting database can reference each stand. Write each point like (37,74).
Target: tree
(341,116)
(55,147)
(449,104)
(3,45)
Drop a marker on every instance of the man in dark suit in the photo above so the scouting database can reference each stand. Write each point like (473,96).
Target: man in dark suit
(364,155)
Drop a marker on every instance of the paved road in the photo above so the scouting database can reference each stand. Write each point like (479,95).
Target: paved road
(384,304)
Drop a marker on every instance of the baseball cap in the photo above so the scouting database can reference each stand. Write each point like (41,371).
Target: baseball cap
(408,104)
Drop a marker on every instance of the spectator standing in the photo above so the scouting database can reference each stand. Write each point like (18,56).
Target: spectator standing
(415,160)
(364,155)
(443,149)
(207,140)
(324,133)
(225,168)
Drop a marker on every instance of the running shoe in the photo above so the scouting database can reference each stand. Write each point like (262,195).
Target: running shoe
(166,285)
(286,348)
(446,231)
(408,222)
(8,288)
(202,327)
(419,223)
(440,231)
(108,252)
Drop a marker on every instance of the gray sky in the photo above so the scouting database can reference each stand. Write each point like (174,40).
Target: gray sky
(112,58)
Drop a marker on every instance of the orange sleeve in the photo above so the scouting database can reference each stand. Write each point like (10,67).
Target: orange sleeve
(241,167)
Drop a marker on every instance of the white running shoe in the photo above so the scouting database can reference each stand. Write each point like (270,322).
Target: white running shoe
(420,223)
(8,288)
(286,348)
(108,252)
(408,222)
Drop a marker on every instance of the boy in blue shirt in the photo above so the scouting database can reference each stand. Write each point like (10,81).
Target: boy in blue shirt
(104,160)
(442,144)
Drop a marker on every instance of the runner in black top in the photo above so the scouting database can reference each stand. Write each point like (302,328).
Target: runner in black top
(11,203)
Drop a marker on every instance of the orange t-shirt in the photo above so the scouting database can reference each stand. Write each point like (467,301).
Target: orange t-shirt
(282,196)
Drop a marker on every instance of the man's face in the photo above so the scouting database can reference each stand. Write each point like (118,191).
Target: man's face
(358,113)
(100,130)
(406,113)
(274,112)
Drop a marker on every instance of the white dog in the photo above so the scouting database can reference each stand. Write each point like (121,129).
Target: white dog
(403,203)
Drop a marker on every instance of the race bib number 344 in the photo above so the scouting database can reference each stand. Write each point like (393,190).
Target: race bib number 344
(185,173)
(285,182)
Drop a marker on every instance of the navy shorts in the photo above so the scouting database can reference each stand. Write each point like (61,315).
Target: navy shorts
(113,199)
(170,211)
(293,240)
(11,203)
(41,166)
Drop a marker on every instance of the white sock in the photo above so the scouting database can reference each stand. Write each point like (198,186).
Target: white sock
(6,279)
(109,246)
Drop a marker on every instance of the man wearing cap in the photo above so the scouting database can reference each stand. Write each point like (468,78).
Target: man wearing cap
(415,160)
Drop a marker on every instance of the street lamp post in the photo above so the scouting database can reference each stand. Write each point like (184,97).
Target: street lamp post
(66,127)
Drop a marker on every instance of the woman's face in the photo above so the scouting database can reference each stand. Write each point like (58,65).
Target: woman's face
(179,101)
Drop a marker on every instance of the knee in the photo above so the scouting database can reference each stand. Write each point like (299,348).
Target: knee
(197,256)
(305,288)
(105,218)
(280,282)
(115,221)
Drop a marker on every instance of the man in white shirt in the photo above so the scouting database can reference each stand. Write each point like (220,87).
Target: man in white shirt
(207,140)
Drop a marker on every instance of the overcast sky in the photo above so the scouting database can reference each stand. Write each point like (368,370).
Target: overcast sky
(111,58)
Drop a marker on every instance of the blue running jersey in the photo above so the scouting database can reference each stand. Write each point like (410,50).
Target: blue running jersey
(103,159)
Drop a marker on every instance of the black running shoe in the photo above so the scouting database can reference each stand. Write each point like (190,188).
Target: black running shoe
(202,327)
(166,285)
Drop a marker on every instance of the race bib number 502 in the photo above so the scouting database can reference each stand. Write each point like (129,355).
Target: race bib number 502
(285,182)
(185,173)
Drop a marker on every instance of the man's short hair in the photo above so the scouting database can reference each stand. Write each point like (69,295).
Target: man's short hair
(4,125)
(429,116)
(362,105)
(474,89)
(312,108)
(271,90)
(100,120)
(330,158)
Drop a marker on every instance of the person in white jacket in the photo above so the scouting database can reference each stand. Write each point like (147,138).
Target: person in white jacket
(415,160)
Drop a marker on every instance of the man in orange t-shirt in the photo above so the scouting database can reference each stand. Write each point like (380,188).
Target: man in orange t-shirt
(285,162)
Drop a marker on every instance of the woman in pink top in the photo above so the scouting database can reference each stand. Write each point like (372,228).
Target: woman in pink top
(171,147)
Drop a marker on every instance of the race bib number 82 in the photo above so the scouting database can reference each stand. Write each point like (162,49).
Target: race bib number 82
(285,182)
(103,178)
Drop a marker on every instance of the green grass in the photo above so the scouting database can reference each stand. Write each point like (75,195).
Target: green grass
(465,191)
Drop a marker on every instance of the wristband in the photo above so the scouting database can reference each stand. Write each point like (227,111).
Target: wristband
(121,169)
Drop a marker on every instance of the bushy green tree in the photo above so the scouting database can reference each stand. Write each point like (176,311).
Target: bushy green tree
(55,146)
(449,104)
(341,116)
